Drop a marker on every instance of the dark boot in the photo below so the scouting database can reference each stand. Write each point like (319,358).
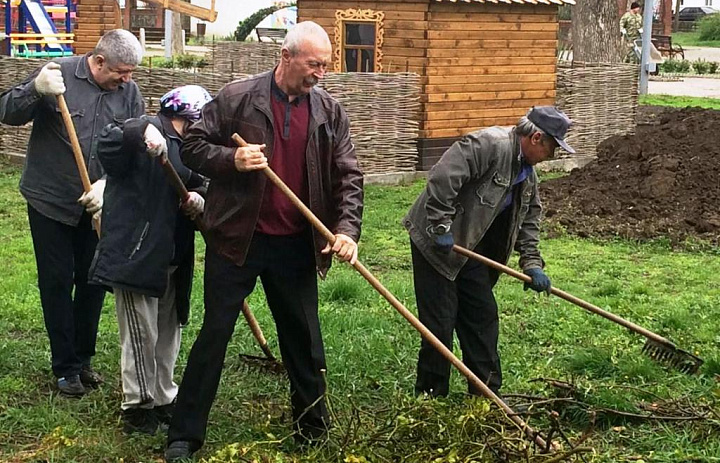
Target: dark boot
(139,420)
(164,413)
(180,451)
(71,386)
(89,377)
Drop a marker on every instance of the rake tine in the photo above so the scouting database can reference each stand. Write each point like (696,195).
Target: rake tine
(657,347)
(263,364)
(677,358)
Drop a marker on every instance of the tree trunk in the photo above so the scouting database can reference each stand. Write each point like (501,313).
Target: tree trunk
(177,43)
(596,31)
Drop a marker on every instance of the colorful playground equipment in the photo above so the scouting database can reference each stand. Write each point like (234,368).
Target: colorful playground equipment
(44,40)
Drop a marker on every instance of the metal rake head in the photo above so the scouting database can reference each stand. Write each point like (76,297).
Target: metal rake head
(255,362)
(669,354)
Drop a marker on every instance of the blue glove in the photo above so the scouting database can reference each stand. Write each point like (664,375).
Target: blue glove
(540,282)
(443,243)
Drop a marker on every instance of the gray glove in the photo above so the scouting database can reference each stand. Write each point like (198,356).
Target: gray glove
(50,80)
(155,143)
(93,199)
(193,205)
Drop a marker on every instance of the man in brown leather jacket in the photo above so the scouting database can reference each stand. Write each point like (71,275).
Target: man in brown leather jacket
(254,231)
(481,195)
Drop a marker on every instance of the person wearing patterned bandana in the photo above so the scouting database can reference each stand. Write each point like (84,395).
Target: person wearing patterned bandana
(146,251)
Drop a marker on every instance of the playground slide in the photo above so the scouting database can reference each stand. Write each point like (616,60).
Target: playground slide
(41,22)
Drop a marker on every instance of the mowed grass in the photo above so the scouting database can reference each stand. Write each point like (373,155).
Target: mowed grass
(371,352)
(692,39)
(679,101)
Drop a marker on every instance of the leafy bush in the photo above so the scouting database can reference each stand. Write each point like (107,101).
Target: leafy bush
(713,67)
(675,65)
(709,27)
(185,61)
(683,66)
(669,66)
(701,66)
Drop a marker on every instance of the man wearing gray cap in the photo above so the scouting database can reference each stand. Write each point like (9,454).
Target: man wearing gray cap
(482,195)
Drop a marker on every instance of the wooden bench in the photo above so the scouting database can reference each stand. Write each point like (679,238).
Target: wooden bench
(274,34)
(664,45)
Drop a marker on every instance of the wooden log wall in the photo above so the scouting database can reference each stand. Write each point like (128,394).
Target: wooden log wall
(94,18)
(405,26)
(486,65)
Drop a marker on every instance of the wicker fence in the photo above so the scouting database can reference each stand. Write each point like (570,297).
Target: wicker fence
(383,109)
(243,57)
(601,99)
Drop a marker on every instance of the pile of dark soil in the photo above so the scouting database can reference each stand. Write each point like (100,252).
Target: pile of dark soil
(664,181)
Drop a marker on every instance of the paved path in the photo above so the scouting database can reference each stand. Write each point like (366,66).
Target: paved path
(708,54)
(692,86)
(689,86)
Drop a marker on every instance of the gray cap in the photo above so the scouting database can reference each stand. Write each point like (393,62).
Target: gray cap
(553,122)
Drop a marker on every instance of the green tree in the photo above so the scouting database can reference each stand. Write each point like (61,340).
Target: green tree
(247,25)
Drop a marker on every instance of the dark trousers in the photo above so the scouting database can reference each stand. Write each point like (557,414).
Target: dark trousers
(466,306)
(286,267)
(63,254)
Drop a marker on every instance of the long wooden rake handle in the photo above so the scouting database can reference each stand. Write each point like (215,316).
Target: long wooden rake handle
(424,332)
(182,191)
(568,297)
(77,151)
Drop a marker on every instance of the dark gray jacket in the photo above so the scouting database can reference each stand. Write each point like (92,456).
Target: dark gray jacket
(143,230)
(467,189)
(50,181)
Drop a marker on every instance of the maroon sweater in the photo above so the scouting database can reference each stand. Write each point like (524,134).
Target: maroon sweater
(278,216)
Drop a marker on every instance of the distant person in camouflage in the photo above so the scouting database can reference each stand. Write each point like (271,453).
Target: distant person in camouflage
(631,28)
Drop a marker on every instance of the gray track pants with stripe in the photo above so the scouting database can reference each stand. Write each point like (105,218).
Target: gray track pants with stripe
(150,340)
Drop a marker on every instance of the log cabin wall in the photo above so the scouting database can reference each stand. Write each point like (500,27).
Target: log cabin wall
(482,64)
(405,26)
(94,18)
(486,65)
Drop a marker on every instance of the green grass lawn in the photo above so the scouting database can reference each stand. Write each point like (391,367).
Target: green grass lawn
(371,353)
(692,39)
(679,101)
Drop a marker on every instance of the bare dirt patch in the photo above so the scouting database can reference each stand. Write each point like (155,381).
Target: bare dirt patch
(664,181)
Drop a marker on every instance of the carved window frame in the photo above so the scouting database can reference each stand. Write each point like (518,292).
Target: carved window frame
(354,15)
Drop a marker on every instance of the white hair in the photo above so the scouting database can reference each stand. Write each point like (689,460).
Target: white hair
(119,46)
(303,31)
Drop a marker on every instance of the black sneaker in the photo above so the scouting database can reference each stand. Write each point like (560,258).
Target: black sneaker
(164,413)
(71,386)
(179,451)
(89,377)
(139,420)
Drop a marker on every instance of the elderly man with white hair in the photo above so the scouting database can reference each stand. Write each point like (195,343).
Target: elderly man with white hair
(253,230)
(98,90)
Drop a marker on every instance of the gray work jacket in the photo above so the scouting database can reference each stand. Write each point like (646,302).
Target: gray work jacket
(466,189)
(50,180)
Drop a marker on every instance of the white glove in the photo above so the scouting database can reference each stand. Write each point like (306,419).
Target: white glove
(50,80)
(93,199)
(155,142)
(194,205)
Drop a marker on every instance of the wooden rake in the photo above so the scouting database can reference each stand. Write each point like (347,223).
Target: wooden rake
(532,435)
(77,151)
(269,361)
(656,347)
